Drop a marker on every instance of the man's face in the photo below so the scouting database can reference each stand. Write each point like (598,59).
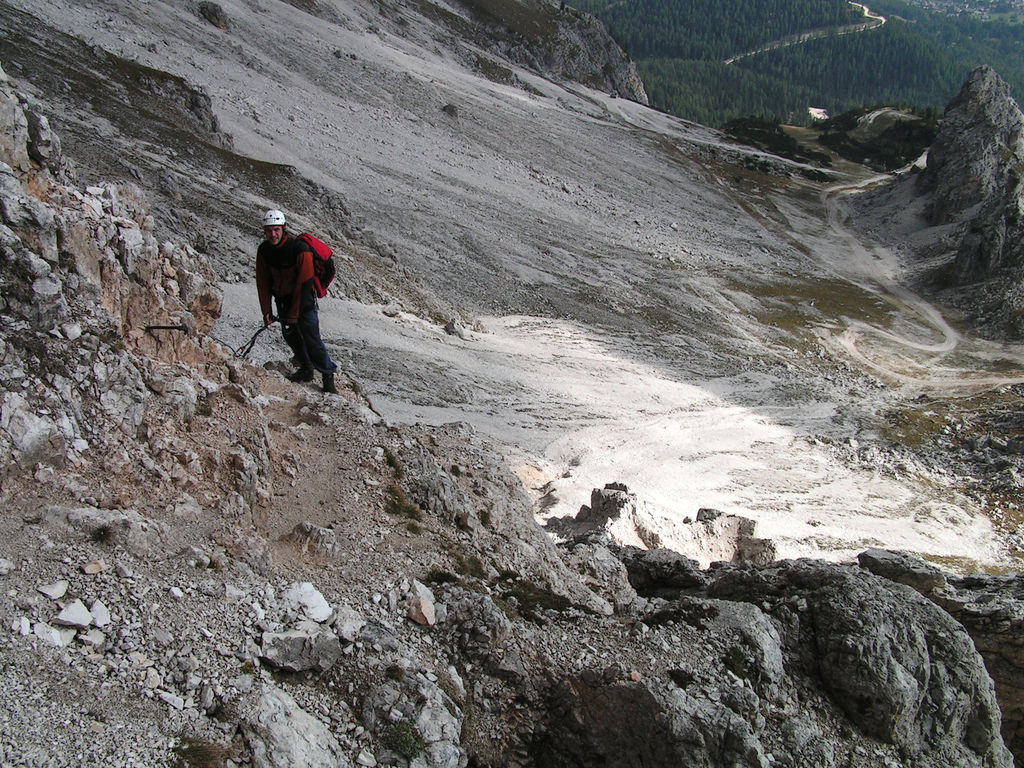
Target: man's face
(274,234)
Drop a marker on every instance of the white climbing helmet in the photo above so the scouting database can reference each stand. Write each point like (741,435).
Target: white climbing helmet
(273,218)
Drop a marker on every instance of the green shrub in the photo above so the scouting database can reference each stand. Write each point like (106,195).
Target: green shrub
(404,739)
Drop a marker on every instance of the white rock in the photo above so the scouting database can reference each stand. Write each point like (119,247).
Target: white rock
(24,627)
(59,638)
(100,614)
(93,637)
(171,699)
(232,593)
(6,566)
(55,591)
(74,615)
(366,758)
(304,597)
(282,735)
(242,683)
(139,660)
(420,604)
(348,623)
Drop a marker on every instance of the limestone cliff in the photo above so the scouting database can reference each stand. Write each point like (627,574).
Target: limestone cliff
(974,182)
(559,41)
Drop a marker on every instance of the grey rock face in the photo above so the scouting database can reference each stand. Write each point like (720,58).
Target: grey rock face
(976,148)
(974,177)
(582,712)
(991,609)
(903,569)
(282,735)
(576,46)
(125,527)
(714,536)
(902,670)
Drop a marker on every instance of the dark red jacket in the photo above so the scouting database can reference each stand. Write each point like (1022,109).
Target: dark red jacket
(282,272)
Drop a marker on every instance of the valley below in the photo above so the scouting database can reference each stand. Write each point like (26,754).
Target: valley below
(785,417)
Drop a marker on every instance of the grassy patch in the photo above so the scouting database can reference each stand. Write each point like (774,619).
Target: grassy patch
(532,599)
(437,576)
(403,739)
(392,461)
(400,505)
(469,566)
(201,754)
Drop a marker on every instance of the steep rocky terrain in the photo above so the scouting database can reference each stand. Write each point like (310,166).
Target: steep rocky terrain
(206,565)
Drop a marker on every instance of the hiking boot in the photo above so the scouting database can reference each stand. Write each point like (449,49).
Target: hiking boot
(304,374)
(329,387)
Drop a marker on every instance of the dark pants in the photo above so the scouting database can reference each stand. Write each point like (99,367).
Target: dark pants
(303,337)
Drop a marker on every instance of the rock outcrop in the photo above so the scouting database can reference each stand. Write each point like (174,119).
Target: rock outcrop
(559,41)
(975,182)
(627,521)
(990,608)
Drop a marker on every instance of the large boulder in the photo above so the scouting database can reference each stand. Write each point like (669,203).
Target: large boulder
(901,669)
(281,734)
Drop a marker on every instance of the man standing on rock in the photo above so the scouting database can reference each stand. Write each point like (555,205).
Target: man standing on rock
(284,270)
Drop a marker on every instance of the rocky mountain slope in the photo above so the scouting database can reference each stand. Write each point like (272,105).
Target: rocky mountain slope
(206,565)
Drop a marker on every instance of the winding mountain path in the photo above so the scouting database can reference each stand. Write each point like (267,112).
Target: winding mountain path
(873,22)
(916,348)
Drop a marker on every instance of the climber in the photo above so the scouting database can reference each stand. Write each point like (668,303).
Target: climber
(284,271)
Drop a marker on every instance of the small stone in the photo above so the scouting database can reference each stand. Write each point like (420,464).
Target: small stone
(171,699)
(139,660)
(366,758)
(100,614)
(59,638)
(152,679)
(93,637)
(420,605)
(242,683)
(208,698)
(176,593)
(55,591)
(232,593)
(74,615)
(305,597)
(6,566)
(93,567)
(348,623)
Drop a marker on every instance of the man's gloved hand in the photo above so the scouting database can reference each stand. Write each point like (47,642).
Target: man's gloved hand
(268,319)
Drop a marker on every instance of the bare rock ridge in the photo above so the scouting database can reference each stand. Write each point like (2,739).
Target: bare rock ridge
(973,181)
(177,590)
(560,41)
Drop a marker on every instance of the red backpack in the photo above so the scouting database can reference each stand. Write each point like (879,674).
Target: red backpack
(323,263)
